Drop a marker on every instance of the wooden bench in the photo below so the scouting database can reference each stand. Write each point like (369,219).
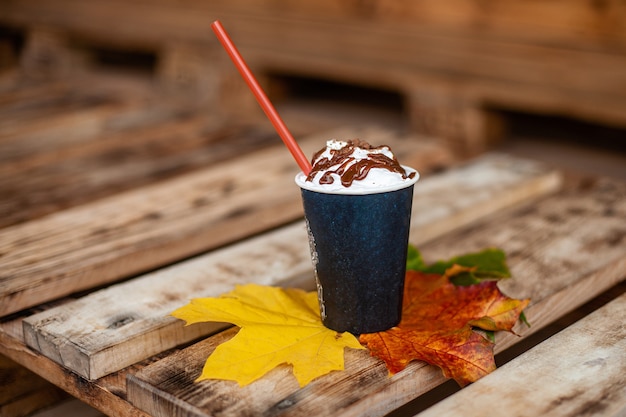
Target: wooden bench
(453,64)
(87,285)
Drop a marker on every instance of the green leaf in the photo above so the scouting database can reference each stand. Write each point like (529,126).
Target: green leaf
(414,261)
(488,264)
(464,279)
(490,335)
(523,319)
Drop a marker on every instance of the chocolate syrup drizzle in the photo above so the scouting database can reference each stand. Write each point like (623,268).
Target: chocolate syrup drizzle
(349,170)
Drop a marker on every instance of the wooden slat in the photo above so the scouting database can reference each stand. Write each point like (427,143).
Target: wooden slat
(111,329)
(17,92)
(124,234)
(573,23)
(579,371)
(568,246)
(71,113)
(48,106)
(64,127)
(108,395)
(51,181)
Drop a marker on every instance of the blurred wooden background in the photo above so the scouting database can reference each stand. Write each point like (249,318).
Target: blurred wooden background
(453,64)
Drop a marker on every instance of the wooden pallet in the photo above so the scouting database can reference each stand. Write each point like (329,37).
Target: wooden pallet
(115,335)
(108,393)
(453,63)
(555,287)
(537,236)
(71,143)
(127,358)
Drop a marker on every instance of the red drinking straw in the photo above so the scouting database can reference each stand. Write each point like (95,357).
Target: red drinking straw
(258,92)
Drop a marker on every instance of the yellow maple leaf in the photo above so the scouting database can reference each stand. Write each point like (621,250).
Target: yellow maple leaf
(278,326)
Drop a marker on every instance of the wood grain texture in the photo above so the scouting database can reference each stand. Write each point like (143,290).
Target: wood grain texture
(579,371)
(49,117)
(108,395)
(551,251)
(115,162)
(130,232)
(118,326)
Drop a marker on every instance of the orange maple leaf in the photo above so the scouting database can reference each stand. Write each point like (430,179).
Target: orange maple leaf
(436,326)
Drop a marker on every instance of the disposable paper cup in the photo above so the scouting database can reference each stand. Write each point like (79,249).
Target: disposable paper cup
(359,244)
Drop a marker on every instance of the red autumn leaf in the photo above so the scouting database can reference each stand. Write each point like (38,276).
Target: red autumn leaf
(436,326)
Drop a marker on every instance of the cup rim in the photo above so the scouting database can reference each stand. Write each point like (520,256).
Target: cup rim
(300,180)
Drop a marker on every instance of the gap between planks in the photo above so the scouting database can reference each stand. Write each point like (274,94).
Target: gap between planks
(113,328)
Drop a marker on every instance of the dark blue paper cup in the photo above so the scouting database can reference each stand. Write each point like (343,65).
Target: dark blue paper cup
(359,249)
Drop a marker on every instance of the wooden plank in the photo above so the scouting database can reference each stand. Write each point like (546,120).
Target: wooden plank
(51,181)
(83,108)
(17,91)
(573,23)
(579,371)
(111,329)
(108,395)
(118,236)
(567,245)
(69,115)
(567,23)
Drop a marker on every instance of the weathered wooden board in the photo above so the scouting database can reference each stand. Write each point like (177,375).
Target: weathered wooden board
(48,182)
(107,395)
(49,107)
(48,117)
(121,325)
(569,246)
(579,371)
(78,120)
(115,237)
(18,92)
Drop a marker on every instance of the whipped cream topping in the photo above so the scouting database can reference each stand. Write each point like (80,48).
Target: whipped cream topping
(356,167)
